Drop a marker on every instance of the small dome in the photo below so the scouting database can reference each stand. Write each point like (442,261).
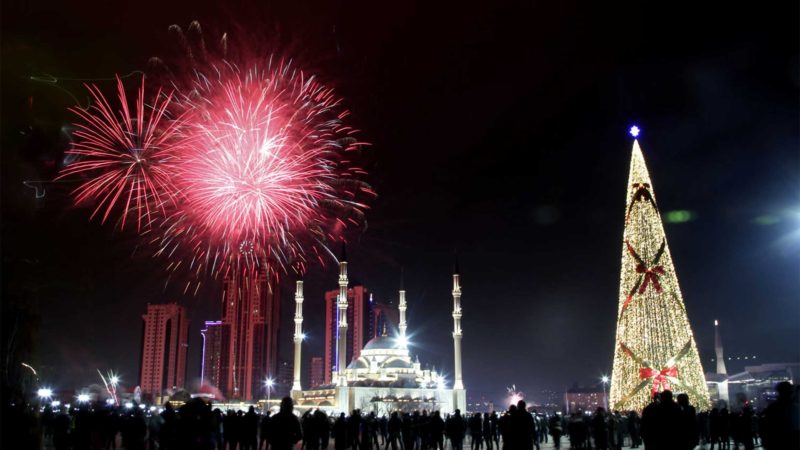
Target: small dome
(380,343)
(358,364)
(397,363)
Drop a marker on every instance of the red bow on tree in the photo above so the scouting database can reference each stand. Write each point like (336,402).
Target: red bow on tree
(659,377)
(650,274)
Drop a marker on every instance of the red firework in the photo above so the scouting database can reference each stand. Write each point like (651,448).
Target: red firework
(124,157)
(266,175)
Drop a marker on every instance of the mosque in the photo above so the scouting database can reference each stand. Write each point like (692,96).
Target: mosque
(383,378)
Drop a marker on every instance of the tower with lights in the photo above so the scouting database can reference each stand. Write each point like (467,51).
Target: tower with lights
(655,349)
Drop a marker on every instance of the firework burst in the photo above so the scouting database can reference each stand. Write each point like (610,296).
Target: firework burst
(267,175)
(124,158)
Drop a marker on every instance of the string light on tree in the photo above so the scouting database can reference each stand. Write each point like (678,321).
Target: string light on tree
(655,348)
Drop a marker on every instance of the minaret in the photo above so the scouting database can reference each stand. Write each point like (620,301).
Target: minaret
(718,349)
(341,338)
(402,308)
(298,335)
(458,384)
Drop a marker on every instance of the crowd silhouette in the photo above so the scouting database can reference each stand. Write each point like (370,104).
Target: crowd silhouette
(665,424)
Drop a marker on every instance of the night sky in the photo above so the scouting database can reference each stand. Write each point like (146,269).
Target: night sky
(498,131)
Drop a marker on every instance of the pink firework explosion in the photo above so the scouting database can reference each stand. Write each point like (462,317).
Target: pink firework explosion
(124,158)
(266,175)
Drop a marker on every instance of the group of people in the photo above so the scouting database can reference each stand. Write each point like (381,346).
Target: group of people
(665,424)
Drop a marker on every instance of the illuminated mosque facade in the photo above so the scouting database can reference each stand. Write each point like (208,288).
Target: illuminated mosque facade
(383,377)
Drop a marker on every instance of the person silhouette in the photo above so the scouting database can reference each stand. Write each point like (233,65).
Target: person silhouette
(285,429)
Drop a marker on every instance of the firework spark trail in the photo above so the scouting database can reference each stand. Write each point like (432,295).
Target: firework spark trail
(124,158)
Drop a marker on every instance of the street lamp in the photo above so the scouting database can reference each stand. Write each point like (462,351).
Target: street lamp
(269,383)
(44,393)
(604,379)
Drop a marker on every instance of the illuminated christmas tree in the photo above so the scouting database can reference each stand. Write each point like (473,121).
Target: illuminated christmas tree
(655,348)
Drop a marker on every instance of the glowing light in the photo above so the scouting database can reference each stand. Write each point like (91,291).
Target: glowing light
(604,379)
(402,341)
(44,393)
(679,216)
(110,401)
(716,323)
(83,398)
(128,405)
(269,382)
(634,131)
(55,403)
(441,382)
(303,336)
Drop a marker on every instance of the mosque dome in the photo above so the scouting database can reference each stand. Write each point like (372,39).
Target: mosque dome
(380,343)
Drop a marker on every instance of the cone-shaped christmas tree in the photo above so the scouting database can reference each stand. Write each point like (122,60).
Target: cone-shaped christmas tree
(655,348)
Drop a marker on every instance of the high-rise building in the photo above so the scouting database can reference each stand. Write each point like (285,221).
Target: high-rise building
(317,376)
(211,371)
(164,345)
(382,315)
(241,350)
(358,326)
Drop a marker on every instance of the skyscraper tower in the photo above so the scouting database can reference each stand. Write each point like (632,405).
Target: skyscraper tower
(459,383)
(298,335)
(718,350)
(250,321)
(164,346)
(341,338)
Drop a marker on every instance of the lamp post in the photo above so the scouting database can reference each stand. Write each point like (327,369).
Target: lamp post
(269,383)
(605,395)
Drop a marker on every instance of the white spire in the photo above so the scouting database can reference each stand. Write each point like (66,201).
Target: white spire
(341,340)
(298,335)
(458,383)
(402,308)
(718,350)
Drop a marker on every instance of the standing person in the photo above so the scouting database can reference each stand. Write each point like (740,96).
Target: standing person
(250,430)
(724,429)
(394,427)
(323,428)
(504,425)
(633,429)
(689,437)
(408,432)
(285,429)
(476,431)
(524,428)
(600,429)
(437,431)
(779,427)
(264,428)
(660,422)
(555,430)
(455,428)
(340,433)
(354,430)
(714,428)
(154,424)
(425,430)
(487,431)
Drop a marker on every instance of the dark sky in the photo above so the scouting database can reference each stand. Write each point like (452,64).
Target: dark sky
(498,129)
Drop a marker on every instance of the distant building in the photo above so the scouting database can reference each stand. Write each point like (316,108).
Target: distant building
(358,323)
(583,398)
(211,370)
(756,385)
(164,345)
(317,373)
(241,350)
(283,378)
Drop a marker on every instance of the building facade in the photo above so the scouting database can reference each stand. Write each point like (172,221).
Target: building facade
(316,376)
(357,319)
(164,346)
(241,350)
